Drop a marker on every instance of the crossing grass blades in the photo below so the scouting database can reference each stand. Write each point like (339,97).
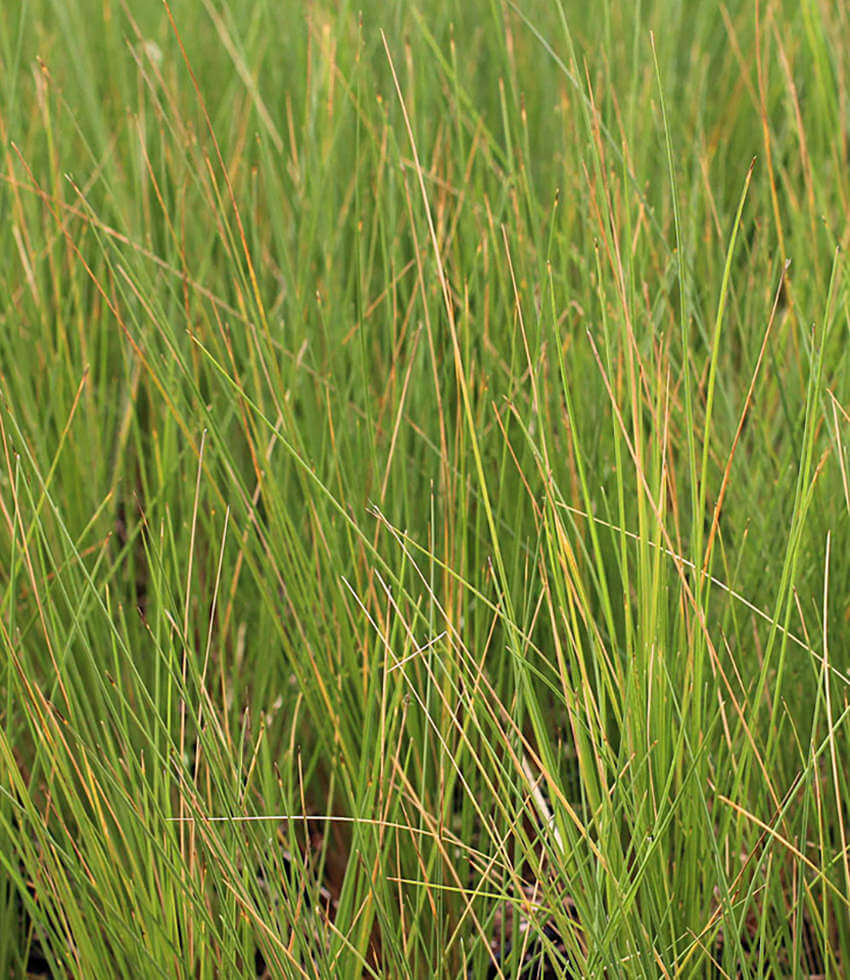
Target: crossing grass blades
(424,500)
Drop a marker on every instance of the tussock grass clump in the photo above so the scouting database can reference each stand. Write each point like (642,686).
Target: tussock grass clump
(423,481)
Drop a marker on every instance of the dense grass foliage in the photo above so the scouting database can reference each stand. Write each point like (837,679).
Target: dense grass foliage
(424,489)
